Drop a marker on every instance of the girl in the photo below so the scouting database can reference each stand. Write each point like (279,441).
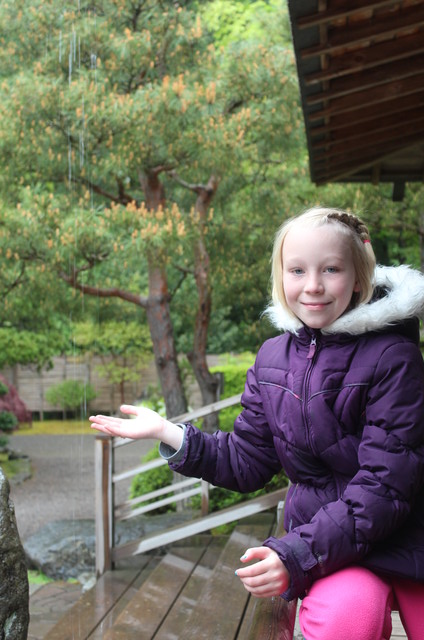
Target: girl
(337,400)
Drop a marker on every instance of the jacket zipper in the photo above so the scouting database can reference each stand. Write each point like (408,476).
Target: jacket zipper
(313,347)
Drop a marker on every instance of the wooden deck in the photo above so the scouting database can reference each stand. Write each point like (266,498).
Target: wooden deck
(190,591)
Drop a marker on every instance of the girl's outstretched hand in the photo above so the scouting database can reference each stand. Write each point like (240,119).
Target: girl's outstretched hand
(146,424)
(266,578)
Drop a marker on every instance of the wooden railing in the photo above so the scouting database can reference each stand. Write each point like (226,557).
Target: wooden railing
(108,513)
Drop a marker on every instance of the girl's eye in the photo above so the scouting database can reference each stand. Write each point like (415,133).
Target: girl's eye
(297,271)
(332,269)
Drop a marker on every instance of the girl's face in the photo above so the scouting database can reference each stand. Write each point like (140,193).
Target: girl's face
(318,274)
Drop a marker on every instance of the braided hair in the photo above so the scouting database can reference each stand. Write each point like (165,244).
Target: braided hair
(353,222)
(349,224)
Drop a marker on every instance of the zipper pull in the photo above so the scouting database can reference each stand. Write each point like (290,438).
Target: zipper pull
(312,348)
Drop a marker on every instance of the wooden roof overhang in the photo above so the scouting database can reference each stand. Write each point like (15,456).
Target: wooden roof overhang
(361,75)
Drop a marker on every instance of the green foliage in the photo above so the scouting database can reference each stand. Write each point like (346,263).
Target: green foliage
(113,338)
(152,480)
(8,421)
(4,389)
(70,394)
(234,369)
(234,22)
(4,441)
(127,343)
(27,347)
(38,577)
(97,100)
(222,498)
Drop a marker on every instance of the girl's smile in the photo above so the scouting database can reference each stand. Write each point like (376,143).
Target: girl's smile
(318,274)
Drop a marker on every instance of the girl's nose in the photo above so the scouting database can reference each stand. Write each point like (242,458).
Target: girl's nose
(314,284)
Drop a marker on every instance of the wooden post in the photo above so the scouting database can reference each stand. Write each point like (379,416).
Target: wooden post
(205,498)
(103,465)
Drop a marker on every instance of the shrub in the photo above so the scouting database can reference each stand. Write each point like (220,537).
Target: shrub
(4,389)
(70,394)
(4,441)
(151,480)
(234,370)
(8,421)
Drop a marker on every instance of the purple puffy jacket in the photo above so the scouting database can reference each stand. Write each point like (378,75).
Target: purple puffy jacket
(342,412)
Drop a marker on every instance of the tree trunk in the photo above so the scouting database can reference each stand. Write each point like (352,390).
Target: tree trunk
(208,382)
(158,312)
(159,319)
(156,304)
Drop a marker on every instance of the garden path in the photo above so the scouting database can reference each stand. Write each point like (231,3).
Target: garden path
(62,483)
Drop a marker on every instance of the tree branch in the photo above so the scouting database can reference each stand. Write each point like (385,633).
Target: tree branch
(184,274)
(197,188)
(16,282)
(113,292)
(122,197)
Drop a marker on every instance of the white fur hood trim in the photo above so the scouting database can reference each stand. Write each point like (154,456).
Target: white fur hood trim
(404,299)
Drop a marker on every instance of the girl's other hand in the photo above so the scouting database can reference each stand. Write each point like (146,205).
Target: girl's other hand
(266,578)
(146,424)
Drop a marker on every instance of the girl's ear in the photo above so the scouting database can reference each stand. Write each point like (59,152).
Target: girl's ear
(356,287)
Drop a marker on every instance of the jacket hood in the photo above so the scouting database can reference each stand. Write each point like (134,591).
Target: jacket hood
(404,298)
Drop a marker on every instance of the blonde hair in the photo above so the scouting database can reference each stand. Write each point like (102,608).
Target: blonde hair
(352,227)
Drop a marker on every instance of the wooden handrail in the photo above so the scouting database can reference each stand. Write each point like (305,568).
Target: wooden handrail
(273,618)
(107,513)
(190,416)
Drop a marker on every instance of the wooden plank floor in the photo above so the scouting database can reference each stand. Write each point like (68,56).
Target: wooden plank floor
(170,597)
(190,592)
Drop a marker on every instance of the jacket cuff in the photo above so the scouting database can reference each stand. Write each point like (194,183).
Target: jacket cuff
(298,560)
(169,453)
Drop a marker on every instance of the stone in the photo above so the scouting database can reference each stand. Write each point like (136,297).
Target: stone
(14,589)
(63,549)
(66,549)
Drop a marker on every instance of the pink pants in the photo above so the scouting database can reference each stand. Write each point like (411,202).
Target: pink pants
(356,604)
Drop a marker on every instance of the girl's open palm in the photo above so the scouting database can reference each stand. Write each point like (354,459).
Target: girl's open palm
(146,423)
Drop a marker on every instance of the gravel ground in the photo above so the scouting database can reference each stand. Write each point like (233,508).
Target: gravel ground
(61,486)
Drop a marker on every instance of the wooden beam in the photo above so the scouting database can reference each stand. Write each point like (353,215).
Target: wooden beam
(361,99)
(373,147)
(360,34)
(348,9)
(378,55)
(399,106)
(339,169)
(352,132)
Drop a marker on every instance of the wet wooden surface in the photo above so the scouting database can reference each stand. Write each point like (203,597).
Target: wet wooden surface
(190,591)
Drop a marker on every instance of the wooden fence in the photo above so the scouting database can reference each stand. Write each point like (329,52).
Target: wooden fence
(32,384)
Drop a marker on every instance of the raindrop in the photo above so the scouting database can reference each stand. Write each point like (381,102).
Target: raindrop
(69,157)
(70,62)
(81,136)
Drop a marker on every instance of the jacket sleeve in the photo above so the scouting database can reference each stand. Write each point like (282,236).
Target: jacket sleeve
(378,500)
(243,460)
